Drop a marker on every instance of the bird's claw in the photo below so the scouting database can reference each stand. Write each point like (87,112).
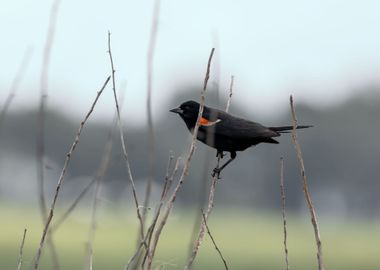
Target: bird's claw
(216,172)
(220,155)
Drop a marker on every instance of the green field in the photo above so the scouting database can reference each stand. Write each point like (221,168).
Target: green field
(248,240)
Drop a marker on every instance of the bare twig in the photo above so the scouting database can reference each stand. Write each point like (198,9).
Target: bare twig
(185,170)
(148,235)
(210,205)
(63,172)
(15,84)
(165,190)
(213,240)
(306,189)
(282,188)
(230,94)
(20,254)
(44,80)
(71,208)
(202,229)
(167,176)
(93,226)
(123,145)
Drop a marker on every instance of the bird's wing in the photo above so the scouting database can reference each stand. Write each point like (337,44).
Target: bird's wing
(228,125)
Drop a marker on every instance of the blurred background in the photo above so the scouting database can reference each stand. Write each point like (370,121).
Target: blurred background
(326,54)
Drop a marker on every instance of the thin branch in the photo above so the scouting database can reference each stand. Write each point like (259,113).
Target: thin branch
(103,168)
(185,170)
(306,189)
(148,235)
(16,83)
(282,188)
(123,145)
(96,201)
(167,176)
(213,240)
(44,80)
(210,205)
(165,190)
(20,254)
(63,172)
(230,94)
(110,138)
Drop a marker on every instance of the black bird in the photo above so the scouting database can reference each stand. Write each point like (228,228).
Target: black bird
(225,132)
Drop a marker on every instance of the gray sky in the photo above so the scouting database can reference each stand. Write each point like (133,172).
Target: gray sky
(317,50)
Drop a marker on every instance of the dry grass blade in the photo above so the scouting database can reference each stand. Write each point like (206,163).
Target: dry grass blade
(185,170)
(15,84)
(20,254)
(282,188)
(213,240)
(63,172)
(125,153)
(306,189)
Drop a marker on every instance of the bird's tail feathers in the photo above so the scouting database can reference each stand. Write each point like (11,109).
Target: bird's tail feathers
(287,129)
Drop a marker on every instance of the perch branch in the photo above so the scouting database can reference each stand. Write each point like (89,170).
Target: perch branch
(305,188)
(185,170)
(210,205)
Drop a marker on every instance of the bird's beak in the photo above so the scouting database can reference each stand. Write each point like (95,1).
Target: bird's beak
(177,110)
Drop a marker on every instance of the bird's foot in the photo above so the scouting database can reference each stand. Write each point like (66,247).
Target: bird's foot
(216,173)
(220,155)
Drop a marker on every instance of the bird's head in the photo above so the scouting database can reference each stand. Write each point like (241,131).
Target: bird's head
(188,112)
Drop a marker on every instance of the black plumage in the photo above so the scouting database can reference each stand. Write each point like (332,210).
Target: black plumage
(225,132)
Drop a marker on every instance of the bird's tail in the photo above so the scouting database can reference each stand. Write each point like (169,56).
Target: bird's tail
(286,129)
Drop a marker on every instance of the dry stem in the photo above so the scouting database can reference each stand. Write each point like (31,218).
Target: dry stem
(20,254)
(15,84)
(202,229)
(185,170)
(148,235)
(213,241)
(98,177)
(44,79)
(210,205)
(125,153)
(63,172)
(306,189)
(282,188)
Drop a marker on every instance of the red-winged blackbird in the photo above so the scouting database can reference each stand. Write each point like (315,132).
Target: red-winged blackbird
(226,132)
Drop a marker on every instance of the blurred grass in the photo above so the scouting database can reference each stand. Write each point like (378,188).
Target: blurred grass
(248,240)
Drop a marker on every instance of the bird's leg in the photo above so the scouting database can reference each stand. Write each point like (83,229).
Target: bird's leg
(219,154)
(217,170)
